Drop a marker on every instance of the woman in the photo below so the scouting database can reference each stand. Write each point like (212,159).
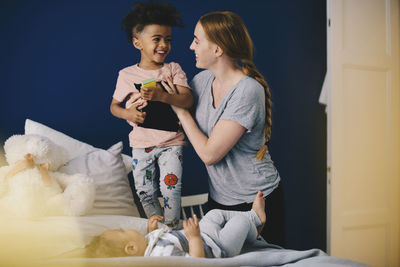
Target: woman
(232,123)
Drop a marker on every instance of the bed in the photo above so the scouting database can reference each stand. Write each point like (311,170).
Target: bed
(44,241)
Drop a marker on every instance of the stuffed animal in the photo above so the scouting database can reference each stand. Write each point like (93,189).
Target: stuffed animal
(31,187)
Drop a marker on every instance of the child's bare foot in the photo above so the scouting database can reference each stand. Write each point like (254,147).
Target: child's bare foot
(259,208)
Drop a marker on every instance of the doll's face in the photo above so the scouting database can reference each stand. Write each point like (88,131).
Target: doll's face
(154,43)
(129,242)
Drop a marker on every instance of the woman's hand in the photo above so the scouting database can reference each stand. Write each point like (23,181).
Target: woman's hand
(171,89)
(170,86)
(152,222)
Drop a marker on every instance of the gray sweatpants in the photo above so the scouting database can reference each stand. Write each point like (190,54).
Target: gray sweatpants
(169,160)
(230,229)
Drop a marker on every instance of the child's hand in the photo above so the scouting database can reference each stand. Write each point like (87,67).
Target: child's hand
(136,99)
(191,228)
(133,106)
(152,222)
(153,93)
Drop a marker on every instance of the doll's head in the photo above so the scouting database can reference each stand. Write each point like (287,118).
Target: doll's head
(117,243)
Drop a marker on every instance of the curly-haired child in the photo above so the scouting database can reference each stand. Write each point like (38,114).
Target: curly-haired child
(156,138)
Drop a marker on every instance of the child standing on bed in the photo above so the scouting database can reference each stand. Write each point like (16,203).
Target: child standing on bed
(149,27)
(221,233)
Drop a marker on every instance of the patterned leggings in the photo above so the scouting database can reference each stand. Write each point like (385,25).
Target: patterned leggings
(169,161)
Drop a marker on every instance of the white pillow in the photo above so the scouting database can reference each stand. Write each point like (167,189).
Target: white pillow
(75,148)
(106,168)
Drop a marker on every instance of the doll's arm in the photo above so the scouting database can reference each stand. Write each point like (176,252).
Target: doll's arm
(152,223)
(192,232)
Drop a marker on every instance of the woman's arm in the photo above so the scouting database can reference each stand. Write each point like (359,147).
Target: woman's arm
(224,136)
(183,99)
(180,97)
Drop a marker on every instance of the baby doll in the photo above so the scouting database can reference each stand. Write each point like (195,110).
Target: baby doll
(220,233)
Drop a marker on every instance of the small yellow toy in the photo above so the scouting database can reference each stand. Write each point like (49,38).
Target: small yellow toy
(149,83)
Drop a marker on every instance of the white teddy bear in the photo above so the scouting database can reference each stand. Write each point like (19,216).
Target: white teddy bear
(31,187)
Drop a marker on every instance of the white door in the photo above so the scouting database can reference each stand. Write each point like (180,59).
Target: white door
(363,131)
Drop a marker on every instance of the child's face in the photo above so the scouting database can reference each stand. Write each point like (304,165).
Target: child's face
(154,43)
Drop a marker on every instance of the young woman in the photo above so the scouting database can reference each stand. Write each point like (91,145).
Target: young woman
(231,126)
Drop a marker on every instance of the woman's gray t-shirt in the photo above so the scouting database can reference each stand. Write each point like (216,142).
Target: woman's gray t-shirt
(239,175)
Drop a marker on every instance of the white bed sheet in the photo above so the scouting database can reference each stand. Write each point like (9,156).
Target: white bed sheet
(39,242)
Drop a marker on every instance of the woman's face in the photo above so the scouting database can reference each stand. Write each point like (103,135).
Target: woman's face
(203,48)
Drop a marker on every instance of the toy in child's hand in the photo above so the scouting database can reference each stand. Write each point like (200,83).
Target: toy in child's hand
(149,83)
(151,90)
(31,186)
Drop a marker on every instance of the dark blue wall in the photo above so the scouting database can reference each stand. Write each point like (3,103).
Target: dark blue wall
(59,61)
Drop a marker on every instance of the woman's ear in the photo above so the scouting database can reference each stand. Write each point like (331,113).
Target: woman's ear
(136,43)
(131,248)
(218,51)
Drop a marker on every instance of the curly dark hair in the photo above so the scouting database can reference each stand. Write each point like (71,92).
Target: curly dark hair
(146,13)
